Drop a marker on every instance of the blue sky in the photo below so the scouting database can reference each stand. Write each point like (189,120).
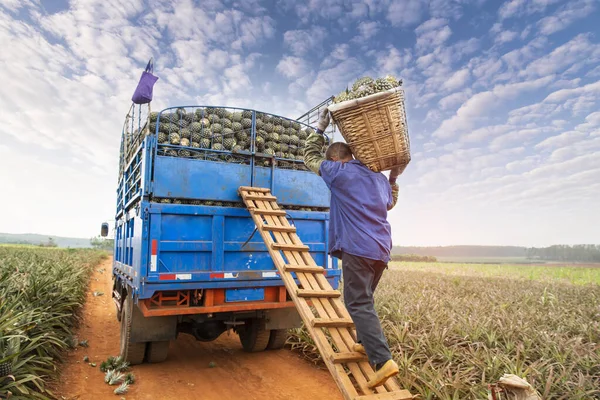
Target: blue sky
(502,101)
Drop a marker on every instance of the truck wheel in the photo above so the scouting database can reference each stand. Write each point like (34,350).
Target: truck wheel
(158,351)
(253,337)
(132,352)
(277,339)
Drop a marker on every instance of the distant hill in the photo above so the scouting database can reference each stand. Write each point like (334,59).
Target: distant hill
(463,251)
(35,239)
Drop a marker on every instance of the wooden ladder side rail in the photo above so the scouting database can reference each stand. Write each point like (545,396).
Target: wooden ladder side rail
(331,311)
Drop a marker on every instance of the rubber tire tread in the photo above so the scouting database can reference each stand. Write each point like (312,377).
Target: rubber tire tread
(157,351)
(133,353)
(254,338)
(277,339)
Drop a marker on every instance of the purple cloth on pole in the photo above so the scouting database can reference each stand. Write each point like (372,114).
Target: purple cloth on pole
(143,91)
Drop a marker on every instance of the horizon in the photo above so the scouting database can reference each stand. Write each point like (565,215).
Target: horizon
(502,102)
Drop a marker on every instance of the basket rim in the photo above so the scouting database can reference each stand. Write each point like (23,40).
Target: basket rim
(367,99)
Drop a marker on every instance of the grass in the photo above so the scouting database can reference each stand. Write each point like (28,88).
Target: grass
(40,290)
(574,275)
(453,328)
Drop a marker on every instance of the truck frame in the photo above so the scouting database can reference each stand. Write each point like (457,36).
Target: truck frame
(186,257)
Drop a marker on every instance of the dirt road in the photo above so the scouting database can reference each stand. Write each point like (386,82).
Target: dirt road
(273,375)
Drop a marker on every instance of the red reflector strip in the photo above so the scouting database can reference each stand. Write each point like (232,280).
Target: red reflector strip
(217,276)
(167,277)
(154,247)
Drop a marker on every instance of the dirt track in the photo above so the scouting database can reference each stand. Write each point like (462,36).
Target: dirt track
(273,375)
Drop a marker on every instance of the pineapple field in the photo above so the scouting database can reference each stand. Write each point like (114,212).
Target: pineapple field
(41,290)
(455,328)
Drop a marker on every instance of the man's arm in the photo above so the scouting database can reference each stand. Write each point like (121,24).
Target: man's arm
(395,190)
(312,152)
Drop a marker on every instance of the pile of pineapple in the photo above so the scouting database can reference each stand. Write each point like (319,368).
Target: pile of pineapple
(229,204)
(367,86)
(229,131)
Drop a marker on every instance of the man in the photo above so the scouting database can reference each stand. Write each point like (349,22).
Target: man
(360,236)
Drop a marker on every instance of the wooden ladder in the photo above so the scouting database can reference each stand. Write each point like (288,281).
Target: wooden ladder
(350,370)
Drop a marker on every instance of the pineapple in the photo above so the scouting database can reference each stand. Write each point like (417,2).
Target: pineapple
(286,123)
(270,151)
(195,127)
(237,148)
(284,138)
(268,127)
(225,122)
(172,153)
(185,142)
(241,136)
(184,153)
(227,132)
(236,126)
(196,144)
(267,119)
(278,129)
(237,116)
(228,114)
(229,142)
(296,126)
(153,116)
(259,124)
(246,123)
(163,138)
(217,146)
(382,84)
(362,83)
(216,128)
(152,127)
(5,369)
(183,123)
(245,145)
(289,131)
(205,143)
(274,137)
(294,140)
(260,142)
(276,120)
(220,112)
(309,131)
(174,138)
(185,133)
(247,114)
(196,136)
(200,113)
(262,133)
(283,147)
(213,118)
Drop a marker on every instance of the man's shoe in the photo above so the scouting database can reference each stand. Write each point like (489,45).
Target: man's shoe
(387,370)
(359,348)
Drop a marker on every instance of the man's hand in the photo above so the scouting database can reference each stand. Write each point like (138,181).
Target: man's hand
(323,120)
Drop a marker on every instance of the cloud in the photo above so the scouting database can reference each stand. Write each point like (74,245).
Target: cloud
(392,61)
(331,81)
(512,8)
(457,80)
(405,13)
(301,42)
(565,16)
(479,105)
(561,140)
(432,34)
(292,67)
(505,37)
(368,29)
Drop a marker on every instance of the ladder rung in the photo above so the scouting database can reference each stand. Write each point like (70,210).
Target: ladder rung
(318,293)
(290,247)
(353,356)
(268,212)
(332,322)
(303,268)
(398,395)
(253,189)
(266,197)
(277,228)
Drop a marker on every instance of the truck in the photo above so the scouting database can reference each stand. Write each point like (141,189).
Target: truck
(187,259)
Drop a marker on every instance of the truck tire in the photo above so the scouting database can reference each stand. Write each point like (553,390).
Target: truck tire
(132,352)
(158,351)
(277,339)
(254,337)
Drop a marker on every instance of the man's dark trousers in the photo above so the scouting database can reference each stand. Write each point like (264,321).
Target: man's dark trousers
(360,277)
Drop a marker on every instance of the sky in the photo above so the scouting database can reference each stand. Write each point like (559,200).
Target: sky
(502,101)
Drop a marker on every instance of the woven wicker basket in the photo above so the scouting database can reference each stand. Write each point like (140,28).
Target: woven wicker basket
(375,129)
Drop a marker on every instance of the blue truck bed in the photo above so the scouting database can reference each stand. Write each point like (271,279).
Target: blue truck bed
(187,257)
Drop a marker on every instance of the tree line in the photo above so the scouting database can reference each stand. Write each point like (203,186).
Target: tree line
(561,252)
